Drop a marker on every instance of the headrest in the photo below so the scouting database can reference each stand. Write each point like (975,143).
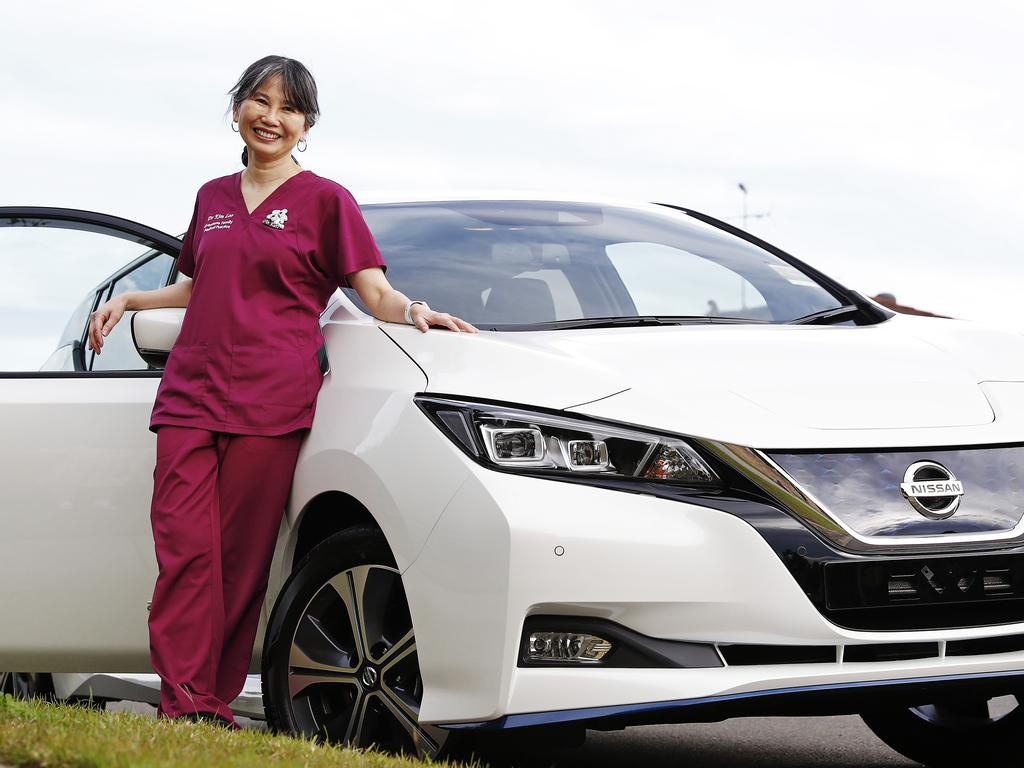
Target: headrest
(520,300)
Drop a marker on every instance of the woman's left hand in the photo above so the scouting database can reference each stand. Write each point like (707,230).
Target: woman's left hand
(423,317)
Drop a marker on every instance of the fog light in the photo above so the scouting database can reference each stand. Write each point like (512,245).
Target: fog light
(567,646)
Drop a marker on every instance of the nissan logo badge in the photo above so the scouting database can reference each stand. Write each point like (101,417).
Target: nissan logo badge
(932,489)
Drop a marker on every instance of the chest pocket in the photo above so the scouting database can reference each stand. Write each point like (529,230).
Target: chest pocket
(262,375)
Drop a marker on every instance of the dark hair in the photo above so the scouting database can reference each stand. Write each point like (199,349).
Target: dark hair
(297,82)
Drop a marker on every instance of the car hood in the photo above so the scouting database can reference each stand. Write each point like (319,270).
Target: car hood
(908,381)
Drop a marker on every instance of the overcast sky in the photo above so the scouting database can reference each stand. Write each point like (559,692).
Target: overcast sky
(883,138)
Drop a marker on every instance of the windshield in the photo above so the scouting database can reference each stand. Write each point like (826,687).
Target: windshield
(507,265)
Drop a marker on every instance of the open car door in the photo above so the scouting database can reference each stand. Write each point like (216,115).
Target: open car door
(77,563)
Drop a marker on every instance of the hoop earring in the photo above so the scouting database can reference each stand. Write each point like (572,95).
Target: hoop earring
(234,127)
(301,145)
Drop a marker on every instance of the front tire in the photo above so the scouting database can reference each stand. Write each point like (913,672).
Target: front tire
(26,685)
(964,731)
(339,662)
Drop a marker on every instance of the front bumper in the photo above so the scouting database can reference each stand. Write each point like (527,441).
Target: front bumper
(664,568)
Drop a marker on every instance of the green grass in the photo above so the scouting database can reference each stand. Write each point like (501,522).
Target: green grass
(43,735)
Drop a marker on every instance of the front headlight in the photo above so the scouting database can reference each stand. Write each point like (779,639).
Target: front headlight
(544,443)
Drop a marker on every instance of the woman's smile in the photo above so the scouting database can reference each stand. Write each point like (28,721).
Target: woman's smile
(263,133)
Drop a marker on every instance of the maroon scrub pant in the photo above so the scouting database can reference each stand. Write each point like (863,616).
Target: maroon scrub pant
(218,501)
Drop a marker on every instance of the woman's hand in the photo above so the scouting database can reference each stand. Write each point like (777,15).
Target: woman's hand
(423,317)
(104,319)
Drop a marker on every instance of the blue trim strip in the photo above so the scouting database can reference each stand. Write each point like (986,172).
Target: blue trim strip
(594,713)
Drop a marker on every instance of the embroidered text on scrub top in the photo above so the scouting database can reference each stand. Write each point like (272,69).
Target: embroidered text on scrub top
(219,221)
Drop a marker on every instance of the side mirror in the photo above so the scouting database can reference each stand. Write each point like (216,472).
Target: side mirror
(154,332)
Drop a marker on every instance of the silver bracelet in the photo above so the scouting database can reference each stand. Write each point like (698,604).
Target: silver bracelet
(408,310)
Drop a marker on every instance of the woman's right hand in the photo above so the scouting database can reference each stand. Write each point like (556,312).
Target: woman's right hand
(104,319)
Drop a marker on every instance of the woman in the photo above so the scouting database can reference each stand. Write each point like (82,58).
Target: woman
(265,250)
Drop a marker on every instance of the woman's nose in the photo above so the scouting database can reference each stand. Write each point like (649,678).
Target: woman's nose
(271,115)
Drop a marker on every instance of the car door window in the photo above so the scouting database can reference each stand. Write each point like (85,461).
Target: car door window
(119,353)
(46,273)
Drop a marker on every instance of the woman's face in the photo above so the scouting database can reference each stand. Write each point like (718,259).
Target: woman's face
(269,124)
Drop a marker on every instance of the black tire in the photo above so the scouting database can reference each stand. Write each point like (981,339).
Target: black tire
(16,684)
(339,660)
(976,732)
(27,685)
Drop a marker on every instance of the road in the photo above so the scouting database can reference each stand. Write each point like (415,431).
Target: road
(839,742)
(757,741)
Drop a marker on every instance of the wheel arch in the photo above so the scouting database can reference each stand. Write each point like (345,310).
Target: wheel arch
(326,514)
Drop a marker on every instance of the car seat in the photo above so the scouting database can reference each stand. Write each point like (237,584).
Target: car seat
(519,300)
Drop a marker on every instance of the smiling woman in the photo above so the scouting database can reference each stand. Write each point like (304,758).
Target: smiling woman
(265,250)
(277,81)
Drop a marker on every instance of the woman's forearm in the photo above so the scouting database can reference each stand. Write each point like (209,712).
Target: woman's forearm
(176,295)
(391,306)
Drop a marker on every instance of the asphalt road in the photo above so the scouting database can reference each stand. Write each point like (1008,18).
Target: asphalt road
(757,741)
(839,742)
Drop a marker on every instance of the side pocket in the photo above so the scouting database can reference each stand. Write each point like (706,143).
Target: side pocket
(186,375)
(263,375)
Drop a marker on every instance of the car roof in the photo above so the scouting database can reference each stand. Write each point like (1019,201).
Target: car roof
(397,197)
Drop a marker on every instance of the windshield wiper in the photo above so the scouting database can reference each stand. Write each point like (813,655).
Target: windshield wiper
(827,316)
(635,321)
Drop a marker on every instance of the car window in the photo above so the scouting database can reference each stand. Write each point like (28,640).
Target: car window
(513,263)
(119,353)
(663,280)
(76,326)
(70,354)
(564,303)
(46,273)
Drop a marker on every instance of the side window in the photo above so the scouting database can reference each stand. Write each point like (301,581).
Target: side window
(67,357)
(119,353)
(75,329)
(663,280)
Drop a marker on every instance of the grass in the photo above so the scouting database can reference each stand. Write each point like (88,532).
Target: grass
(37,734)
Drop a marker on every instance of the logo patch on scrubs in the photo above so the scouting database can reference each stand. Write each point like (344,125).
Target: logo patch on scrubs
(276,219)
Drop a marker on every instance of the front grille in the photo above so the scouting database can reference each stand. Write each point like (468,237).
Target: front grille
(985,645)
(743,655)
(863,489)
(925,593)
(890,652)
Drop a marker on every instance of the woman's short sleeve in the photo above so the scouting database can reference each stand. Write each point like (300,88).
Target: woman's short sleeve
(187,256)
(346,243)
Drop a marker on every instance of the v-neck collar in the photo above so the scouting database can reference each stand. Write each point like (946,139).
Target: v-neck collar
(268,198)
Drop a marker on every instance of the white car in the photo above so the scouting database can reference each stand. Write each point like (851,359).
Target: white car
(678,476)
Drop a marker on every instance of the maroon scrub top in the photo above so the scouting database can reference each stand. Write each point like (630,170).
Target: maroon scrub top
(246,358)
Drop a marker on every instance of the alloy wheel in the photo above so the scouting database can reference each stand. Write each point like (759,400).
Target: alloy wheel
(353,671)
